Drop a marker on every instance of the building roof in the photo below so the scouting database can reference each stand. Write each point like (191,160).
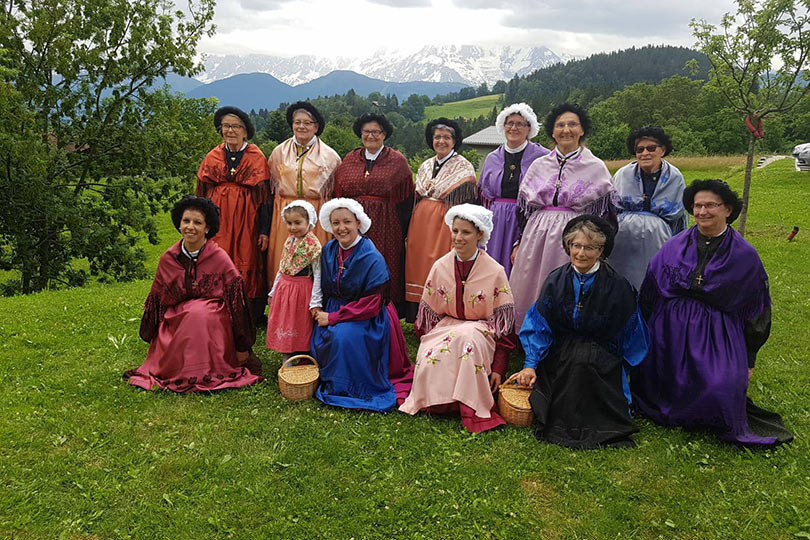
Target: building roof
(486,137)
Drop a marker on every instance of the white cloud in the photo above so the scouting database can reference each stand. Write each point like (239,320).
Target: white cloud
(358,28)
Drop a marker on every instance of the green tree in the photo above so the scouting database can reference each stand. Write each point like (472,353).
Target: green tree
(758,58)
(341,139)
(105,151)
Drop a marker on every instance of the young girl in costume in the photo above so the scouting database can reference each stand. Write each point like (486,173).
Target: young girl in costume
(297,283)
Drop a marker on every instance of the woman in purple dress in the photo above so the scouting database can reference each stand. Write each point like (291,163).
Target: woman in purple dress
(704,333)
(567,182)
(502,174)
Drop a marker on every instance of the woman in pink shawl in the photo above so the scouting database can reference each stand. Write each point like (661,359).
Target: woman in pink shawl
(567,182)
(466,323)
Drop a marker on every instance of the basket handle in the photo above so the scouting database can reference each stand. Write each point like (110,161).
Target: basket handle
(290,360)
(512,380)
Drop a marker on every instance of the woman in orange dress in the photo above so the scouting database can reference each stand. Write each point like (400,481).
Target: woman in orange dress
(302,167)
(445,180)
(234,175)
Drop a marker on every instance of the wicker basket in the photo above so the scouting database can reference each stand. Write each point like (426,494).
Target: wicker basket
(513,402)
(298,382)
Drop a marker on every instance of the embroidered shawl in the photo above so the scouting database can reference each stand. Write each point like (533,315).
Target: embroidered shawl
(487,295)
(584,184)
(298,255)
(666,201)
(318,172)
(455,172)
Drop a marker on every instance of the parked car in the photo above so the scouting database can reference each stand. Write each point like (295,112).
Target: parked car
(801,152)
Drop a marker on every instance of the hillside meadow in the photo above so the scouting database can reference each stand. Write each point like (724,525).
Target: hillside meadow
(84,456)
(468,108)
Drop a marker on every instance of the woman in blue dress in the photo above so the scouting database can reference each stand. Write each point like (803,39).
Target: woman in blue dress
(358,341)
(648,198)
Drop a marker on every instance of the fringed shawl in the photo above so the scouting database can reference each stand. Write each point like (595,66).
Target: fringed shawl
(318,172)
(666,201)
(454,173)
(734,280)
(585,184)
(491,177)
(214,277)
(487,295)
(297,256)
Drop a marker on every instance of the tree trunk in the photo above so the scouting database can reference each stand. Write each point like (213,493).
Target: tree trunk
(749,165)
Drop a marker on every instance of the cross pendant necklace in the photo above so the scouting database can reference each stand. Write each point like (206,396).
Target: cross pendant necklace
(340,261)
(699,279)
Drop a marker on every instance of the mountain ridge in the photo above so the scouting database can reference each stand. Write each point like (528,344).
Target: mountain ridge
(470,65)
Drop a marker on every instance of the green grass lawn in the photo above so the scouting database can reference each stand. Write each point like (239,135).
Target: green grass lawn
(469,108)
(84,456)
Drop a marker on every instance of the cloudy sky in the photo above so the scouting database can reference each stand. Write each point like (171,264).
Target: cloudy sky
(357,28)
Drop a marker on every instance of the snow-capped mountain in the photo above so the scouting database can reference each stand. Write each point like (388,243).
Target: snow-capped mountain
(465,64)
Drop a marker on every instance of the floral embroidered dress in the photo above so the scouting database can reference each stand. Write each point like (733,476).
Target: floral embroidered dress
(464,323)
(289,323)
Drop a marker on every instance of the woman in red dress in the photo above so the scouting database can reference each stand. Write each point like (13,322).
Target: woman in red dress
(196,318)
(380,179)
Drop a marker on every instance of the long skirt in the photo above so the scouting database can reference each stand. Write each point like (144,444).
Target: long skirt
(696,375)
(400,369)
(504,233)
(193,351)
(353,357)
(289,323)
(578,400)
(453,366)
(239,234)
(428,240)
(540,252)
(640,236)
(279,233)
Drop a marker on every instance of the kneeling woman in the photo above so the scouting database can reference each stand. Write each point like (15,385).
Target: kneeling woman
(585,328)
(358,341)
(196,318)
(466,318)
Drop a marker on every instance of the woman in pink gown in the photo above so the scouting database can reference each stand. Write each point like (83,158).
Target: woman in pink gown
(196,318)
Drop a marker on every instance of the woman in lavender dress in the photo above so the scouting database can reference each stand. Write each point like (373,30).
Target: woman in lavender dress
(565,183)
(502,174)
(706,301)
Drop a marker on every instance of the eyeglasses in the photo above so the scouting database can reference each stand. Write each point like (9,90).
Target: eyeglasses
(372,132)
(442,138)
(518,125)
(649,148)
(583,247)
(563,125)
(304,123)
(234,127)
(707,206)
